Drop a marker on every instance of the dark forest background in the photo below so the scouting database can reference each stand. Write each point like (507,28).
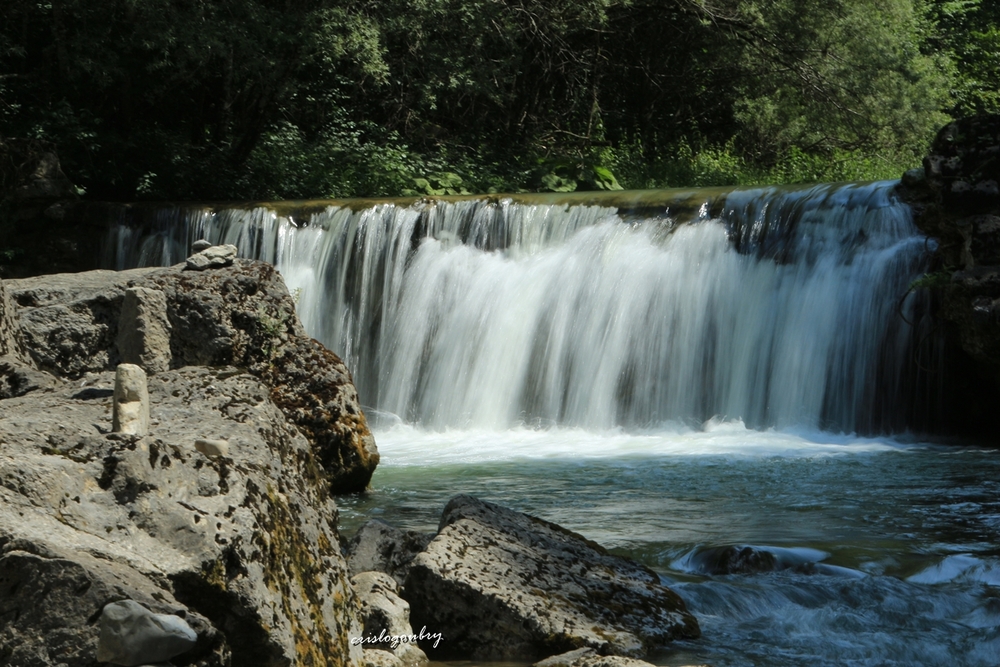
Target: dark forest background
(263,99)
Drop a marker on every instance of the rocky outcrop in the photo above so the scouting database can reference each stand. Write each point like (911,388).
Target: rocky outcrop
(501,585)
(955,198)
(384,548)
(242,546)
(239,315)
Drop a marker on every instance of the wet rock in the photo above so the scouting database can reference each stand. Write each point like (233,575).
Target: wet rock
(503,585)
(384,548)
(132,635)
(385,614)
(735,560)
(130,411)
(213,257)
(588,657)
(143,329)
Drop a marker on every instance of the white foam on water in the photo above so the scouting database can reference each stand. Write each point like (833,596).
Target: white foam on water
(959,567)
(407,445)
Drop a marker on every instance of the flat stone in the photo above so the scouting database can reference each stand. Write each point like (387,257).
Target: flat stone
(214,257)
(201,244)
(131,401)
(502,585)
(212,448)
(132,635)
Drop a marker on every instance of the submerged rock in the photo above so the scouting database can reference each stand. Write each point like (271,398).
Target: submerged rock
(501,585)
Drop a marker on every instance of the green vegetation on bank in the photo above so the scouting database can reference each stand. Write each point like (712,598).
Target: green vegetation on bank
(264,99)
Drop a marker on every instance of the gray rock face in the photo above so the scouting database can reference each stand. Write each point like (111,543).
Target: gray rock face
(10,331)
(503,585)
(143,329)
(130,410)
(239,315)
(212,257)
(384,548)
(245,546)
(132,635)
(17,378)
(385,614)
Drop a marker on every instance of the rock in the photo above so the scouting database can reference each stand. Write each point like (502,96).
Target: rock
(384,548)
(143,329)
(245,548)
(213,257)
(374,657)
(212,448)
(588,657)
(238,315)
(735,560)
(501,585)
(130,412)
(18,378)
(50,598)
(10,330)
(132,635)
(384,613)
(199,245)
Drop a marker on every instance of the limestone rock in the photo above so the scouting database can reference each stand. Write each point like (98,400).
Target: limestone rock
(132,635)
(143,329)
(130,412)
(212,448)
(10,331)
(502,585)
(200,244)
(246,547)
(384,613)
(238,315)
(588,657)
(213,257)
(17,378)
(384,548)
(374,657)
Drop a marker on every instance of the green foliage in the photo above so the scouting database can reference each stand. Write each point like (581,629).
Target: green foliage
(261,99)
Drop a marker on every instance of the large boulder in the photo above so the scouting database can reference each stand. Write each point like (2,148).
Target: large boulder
(386,618)
(243,546)
(501,585)
(955,198)
(239,315)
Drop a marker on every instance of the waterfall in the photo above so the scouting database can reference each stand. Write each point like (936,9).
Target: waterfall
(778,307)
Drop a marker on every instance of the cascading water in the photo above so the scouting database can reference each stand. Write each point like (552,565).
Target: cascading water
(667,373)
(783,310)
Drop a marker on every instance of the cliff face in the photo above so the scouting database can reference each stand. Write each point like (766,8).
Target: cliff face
(239,536)
(956,200)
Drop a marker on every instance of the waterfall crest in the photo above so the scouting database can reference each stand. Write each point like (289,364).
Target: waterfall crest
(776,307)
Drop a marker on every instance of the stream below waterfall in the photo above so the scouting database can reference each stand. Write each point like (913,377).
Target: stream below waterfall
(667,376)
